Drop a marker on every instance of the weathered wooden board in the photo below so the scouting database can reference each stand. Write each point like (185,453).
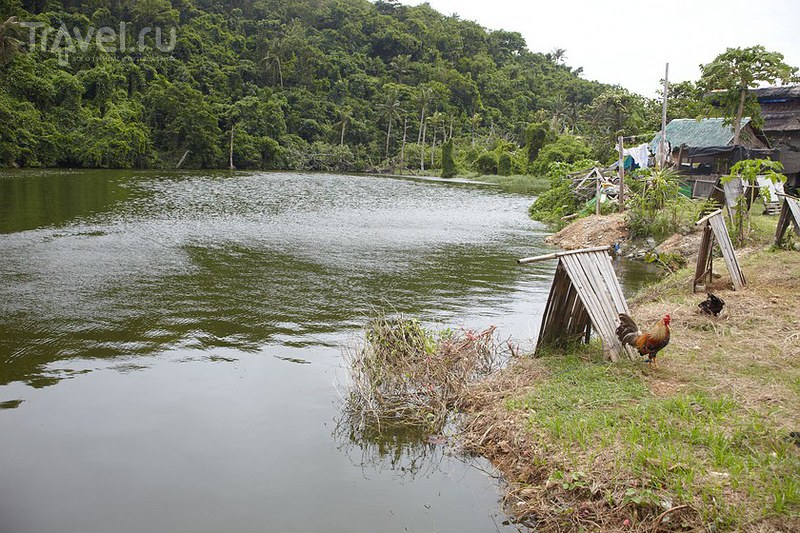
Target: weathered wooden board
(715,230)
(585,296)
(790,215)
(705,259)
(721,234)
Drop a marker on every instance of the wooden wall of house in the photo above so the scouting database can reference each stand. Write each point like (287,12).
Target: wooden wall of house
(788,142)
(750,139)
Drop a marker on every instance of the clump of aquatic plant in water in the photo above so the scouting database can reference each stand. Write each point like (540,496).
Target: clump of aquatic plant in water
(405,376)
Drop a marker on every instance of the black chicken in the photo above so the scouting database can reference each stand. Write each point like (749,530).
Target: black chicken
(712,305)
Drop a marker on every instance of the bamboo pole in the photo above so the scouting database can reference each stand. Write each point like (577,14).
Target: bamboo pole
(708,216)
(621,194)
(557,255)
(662,158)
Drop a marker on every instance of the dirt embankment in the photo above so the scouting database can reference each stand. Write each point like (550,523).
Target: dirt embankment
(610,230)
(594,230)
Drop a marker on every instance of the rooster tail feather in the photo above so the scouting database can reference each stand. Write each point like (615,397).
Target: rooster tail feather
(627,331)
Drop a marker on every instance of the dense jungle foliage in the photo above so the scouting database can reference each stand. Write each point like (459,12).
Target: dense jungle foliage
(293,84)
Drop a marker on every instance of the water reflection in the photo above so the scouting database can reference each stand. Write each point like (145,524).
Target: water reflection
(406,451)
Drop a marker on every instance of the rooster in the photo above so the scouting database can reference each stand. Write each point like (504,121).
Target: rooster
(648,343)
(712,305)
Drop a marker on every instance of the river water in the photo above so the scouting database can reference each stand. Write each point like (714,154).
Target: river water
(170,346)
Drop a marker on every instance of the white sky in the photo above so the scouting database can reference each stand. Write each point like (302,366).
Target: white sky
(627,42)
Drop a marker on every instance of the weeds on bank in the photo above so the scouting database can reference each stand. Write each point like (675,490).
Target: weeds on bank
(406,376)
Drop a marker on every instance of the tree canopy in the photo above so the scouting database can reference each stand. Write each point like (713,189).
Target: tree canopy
(303,84)
(734,72)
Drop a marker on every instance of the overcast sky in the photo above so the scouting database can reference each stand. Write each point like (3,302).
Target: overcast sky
(627,42)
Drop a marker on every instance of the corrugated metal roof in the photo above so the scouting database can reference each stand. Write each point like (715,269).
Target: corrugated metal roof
(697,133)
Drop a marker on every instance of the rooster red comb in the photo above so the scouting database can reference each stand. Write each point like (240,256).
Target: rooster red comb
(667,319)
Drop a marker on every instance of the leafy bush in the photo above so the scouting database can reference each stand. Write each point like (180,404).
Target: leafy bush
(486,163)
(567,149)
(655,204)
(537,135)
(560,199)
(504,164)
(448,163)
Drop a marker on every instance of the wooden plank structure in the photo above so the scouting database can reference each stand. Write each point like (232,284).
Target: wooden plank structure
(790,215)
(715,230)
(585,296)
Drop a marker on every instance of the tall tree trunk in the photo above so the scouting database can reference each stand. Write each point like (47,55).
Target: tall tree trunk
(451,127)
(421,124)
(433,147)
(422,147)
(341,141)
(737,126)
(403,147)
(230,153)
(388,134)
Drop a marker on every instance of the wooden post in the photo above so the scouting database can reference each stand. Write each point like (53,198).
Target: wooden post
(662,158)
(621,194)
(597,192)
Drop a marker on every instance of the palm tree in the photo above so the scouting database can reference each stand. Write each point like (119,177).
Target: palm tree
(436,120)
(559,111)
(273,59)
(559,55)
(474,123)
(611,109)
(403,146)
(390,111)
(400,66)
(345,114)
(9,44)
(424,99)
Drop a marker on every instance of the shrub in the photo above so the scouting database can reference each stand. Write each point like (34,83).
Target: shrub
(567,149)
(655,204)
(448,163)
(537,135)
(560,199)
(486,163)
(504,164)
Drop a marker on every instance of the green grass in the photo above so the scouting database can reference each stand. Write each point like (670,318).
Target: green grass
(517,183)
(697,447)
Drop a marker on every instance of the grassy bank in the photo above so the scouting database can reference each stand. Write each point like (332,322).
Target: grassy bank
(703,443)
(517,183)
